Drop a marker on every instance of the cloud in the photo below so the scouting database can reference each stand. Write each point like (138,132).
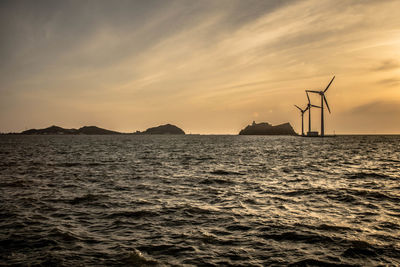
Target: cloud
(377,107)
(375,117)
(387,65)
(389,82)
(183,59)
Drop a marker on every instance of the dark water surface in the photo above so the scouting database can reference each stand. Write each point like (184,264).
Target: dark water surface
(199,200)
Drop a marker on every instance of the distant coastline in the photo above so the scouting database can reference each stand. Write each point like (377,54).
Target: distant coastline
(244,131)
(94,130)
(262,128)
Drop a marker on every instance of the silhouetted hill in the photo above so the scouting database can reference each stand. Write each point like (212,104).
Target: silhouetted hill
(267,129)
(164,129)
(95,130)
(50,130)
(58,130)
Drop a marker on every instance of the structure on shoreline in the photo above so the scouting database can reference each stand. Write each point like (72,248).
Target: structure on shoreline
(265,128)
(309,106)
(302,118)
(323,99)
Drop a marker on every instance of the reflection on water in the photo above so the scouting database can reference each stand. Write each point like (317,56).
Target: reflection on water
(199,200)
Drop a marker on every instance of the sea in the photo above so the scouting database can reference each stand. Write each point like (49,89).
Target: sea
(199,200)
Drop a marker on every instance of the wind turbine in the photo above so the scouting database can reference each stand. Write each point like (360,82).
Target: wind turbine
(323,99)
(302,117)
(309,105)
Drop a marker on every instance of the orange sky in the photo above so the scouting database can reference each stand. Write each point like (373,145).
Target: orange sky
(205,66)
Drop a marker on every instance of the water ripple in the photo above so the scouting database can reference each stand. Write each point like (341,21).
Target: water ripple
(199,200)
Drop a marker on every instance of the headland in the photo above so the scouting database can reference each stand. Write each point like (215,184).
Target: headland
(265,128)
(94,130)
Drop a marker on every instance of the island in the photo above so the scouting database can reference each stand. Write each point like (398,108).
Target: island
(50,130)
(265,128)
(163,129)
(94,130)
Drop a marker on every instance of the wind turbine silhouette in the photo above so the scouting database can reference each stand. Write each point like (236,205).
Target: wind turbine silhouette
(302,117)
(309,105)
(323,99)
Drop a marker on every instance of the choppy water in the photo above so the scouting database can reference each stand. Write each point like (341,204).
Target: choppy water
(199,200)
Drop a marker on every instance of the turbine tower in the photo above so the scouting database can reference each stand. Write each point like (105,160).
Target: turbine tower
(323,99)
(309,105)
(309,112)
(302,117)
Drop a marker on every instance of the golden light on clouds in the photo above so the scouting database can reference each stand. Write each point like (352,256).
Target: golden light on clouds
(208,67)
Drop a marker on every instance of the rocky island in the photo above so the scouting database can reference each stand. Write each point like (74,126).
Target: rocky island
(59,130)
(265,128)
(163,129)
(94,130)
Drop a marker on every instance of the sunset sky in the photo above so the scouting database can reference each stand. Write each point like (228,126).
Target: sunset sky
(205,66)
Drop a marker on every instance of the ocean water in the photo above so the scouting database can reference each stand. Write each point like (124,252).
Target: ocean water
(199,201)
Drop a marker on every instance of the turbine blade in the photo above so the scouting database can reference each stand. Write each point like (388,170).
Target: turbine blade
(329,84)
(326,102)
(308,96)
(311,91)
(315,106)
(298,107)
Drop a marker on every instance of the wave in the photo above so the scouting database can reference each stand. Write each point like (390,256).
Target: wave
(227,201)
(205,158)
(168,249)
(392,160)
(309,238)
(197,210)
(351,249)
(359,248)
(35,241)
(251,201)
(215,181)
(223,172)
(17,183)
(64,235)
(238,227)
(69,164)
(86,198)
(137,258)
(9,164)
(76,164)
(388,225)
(367,175)
(354,196)
(374,195)
(307,191)
(132,214)
(344,197)
(359,252)
(327,227)
(356,249)
(314,262)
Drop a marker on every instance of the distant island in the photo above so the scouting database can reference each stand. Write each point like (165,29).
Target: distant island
(163,129)
(262,128)
(94,130)
(265,128)
(58,130)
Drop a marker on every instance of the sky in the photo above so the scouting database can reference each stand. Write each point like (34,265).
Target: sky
(209,67)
